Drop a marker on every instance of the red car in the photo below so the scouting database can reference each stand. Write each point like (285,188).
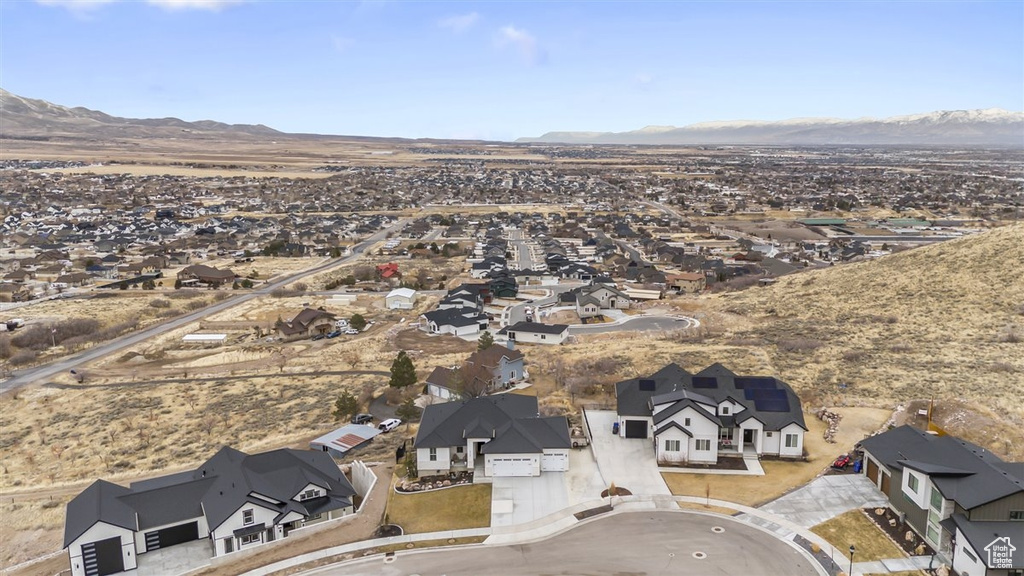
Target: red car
(842,462)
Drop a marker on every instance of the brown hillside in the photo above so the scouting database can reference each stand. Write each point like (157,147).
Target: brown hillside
(943,321)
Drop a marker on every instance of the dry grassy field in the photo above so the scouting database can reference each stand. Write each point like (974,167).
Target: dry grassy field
(942,321)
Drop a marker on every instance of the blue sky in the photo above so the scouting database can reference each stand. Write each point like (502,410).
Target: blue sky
(504,70)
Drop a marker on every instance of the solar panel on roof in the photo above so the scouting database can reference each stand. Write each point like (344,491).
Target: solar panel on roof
(705,382)
(647,385)
(754,382)
(769,400)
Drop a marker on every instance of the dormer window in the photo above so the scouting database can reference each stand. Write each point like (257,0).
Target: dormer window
(248,517)
(725,410)
(309,494)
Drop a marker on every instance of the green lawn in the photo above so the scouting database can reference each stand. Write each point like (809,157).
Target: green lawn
(447,509)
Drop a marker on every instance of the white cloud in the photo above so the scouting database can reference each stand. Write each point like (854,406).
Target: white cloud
(523,42)
(76,6)
(459,23)
(212,5)
(83,6)
(643,79)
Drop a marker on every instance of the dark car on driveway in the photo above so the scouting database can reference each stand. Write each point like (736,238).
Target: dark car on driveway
(334,334)
(319,337)
(362,419)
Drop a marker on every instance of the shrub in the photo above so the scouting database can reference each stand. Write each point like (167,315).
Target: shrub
(195,305)
(159,303)
(23,357)
(799,344)
(854,355)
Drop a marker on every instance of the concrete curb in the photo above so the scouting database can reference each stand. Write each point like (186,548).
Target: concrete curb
(561,522)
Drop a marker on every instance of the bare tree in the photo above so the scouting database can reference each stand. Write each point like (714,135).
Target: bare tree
(208,423)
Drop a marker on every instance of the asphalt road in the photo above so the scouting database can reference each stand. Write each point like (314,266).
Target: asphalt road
(648,543)
(23,377)
(638,323)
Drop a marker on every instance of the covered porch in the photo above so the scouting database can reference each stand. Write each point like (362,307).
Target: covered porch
(736,441)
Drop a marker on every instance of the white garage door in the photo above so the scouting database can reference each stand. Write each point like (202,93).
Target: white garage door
(512,467)
(554,463)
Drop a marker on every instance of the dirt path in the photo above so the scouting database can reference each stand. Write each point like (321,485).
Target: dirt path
(214,378)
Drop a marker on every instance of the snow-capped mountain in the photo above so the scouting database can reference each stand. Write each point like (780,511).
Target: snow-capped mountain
(973,128)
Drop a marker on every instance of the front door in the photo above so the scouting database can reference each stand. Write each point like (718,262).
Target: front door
(748,437)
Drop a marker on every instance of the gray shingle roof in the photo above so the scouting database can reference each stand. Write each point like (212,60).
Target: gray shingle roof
(218,488)
(965,473)
(529,436)
(770,400)
(450,423)
(98,503)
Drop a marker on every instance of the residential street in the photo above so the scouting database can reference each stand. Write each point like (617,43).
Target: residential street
(23,377)
(652,543)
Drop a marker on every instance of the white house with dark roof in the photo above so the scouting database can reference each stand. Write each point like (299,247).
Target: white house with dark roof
(696,418)
(235,500)
(536,333)
(500,435)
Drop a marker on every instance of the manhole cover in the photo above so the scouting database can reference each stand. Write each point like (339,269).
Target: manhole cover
(717,529)
(700,555)
(410,545)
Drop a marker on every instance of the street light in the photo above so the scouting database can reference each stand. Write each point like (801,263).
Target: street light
(852,550)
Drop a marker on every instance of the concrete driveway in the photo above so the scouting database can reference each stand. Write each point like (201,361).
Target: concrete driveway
(629,462)
(583,479)
(524,499)
(826,497)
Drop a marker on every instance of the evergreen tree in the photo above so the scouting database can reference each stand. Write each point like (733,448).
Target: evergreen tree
(345,406)
(408,411)
(357,322)
(403,373)
(485,341)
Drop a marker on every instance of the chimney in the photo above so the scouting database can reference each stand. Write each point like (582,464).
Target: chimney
(511,344)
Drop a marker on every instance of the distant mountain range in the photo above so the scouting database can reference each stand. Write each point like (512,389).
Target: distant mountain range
(39,119)
(991,127)
(28,118)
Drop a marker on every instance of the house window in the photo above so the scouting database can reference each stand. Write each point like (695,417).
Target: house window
(791,440)
(933,533)
(936,500)
(460,449)
(702,444)
(314,517)
(248,517)
(725,409)
(308,494)
(768,434)
(433,454)
(967,552)
(686,421)
(912,482)
(543,337)
(1017,515)
(252,538)
(671,445)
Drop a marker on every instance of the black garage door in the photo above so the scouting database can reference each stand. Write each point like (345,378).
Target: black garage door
(636,429)
(171,536)
(103,557)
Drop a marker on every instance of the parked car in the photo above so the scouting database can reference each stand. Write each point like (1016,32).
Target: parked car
(351,331)
(362,419)
(389,424)
(319,337)
(334,334)
(842,462)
